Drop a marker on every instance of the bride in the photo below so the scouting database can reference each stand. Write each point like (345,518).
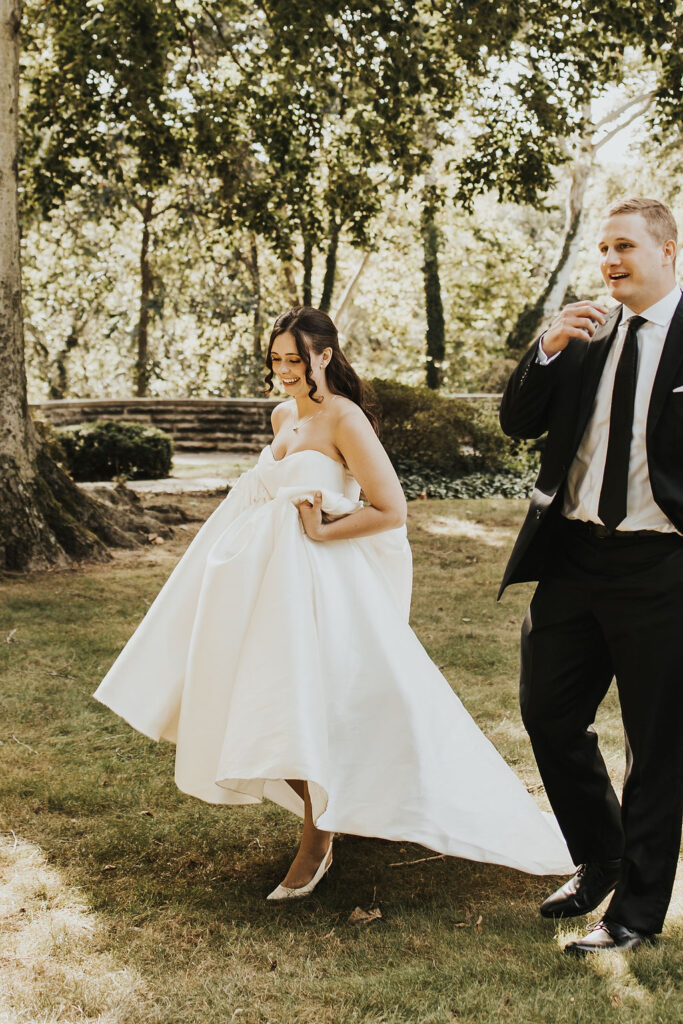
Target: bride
(279,659)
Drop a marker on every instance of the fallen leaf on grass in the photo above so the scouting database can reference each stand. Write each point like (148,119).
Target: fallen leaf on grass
(477,924)
(109,867)
(145,814)
(360,916)
(9,639)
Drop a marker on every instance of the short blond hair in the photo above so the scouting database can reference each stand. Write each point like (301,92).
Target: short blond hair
(658,217)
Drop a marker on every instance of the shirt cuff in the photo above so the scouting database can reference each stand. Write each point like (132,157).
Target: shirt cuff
(541,358)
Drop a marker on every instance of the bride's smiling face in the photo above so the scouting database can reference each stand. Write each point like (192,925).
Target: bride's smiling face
(289,367)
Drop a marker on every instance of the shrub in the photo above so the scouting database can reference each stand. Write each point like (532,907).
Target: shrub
(426,433)
(109,448)
(429,484)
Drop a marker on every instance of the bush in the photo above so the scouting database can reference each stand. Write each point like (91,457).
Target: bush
(109,448)
(426,433)
(471,485)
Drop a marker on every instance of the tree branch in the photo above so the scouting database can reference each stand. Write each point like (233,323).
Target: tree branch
(608,118)
(620,127)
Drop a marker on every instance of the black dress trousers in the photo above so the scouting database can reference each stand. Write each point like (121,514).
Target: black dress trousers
(612,607)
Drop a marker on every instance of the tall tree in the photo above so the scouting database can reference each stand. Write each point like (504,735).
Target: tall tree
(39,507)
(104,113)
(520,74)
(584,150)
(436,328)
(45,519)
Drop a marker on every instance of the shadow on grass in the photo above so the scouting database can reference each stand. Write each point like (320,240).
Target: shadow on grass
(187,937)
(147,906)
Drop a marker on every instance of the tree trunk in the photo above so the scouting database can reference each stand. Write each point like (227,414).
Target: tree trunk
(330,267)
(344,313)
(307,283)
(255,273)
(534,316)
(59,377)
(343,316)
(436,331)
(16,438)
(290,283)
(45,519)
(26,539)
(142,369)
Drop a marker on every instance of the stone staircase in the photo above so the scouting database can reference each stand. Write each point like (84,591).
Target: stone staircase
(195,424)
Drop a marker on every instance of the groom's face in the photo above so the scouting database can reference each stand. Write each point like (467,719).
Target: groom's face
(637,268)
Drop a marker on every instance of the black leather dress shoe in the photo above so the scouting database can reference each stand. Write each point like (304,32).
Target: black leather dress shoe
(608,935)
(585,891)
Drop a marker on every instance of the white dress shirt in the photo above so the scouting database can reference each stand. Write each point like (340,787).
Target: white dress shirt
(584,480)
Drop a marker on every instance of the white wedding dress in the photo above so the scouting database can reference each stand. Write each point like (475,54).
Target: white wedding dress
(268,656)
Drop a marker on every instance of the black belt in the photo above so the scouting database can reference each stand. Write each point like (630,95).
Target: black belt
(600,532)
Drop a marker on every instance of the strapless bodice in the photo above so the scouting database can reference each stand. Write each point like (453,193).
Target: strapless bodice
(307,470)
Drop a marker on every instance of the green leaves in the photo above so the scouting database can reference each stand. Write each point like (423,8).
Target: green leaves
(104,81)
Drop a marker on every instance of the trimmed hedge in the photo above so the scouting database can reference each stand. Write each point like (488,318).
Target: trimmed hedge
(107,449)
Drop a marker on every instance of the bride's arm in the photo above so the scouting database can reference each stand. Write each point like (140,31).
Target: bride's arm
(369,464)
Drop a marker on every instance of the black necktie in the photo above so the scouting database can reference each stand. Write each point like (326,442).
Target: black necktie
(613,493)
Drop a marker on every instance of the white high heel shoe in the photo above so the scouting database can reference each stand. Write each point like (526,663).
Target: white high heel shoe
(283,892)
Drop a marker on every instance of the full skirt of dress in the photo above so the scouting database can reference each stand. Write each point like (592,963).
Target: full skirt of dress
(267,656)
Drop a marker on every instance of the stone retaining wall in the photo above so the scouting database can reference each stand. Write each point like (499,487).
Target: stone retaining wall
(196,424)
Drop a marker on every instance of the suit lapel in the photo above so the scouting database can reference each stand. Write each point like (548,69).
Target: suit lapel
(593,365)
(671,358)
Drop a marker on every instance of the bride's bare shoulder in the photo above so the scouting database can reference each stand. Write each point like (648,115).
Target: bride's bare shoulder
(344,408)
(281,413)
(352,429)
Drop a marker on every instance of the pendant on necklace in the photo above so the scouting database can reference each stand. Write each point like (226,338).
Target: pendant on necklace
(295,429)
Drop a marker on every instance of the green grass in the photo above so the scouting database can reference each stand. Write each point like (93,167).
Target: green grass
(124,902)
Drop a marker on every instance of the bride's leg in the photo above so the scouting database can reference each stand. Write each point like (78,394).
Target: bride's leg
(313,846)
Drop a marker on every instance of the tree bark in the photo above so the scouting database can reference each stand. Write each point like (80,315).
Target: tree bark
(25,538)
(59,377)
(251,261)
(330,267)
(436,330)
(15,429)
(290,283)
(45,520)
(257,321)
(307,283)
(142,369)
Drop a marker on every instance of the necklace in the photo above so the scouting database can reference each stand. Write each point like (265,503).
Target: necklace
(300,423)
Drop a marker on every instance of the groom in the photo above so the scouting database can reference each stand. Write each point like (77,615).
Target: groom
(604,538)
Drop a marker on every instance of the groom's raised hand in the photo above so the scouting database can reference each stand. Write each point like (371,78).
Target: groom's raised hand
(577,320)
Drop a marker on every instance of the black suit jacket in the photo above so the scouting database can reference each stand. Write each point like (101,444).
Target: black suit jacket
(559,399)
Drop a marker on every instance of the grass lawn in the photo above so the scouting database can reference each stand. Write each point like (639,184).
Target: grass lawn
(124,902)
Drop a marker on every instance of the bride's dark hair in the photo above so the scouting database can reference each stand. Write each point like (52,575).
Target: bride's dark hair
(314,331)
